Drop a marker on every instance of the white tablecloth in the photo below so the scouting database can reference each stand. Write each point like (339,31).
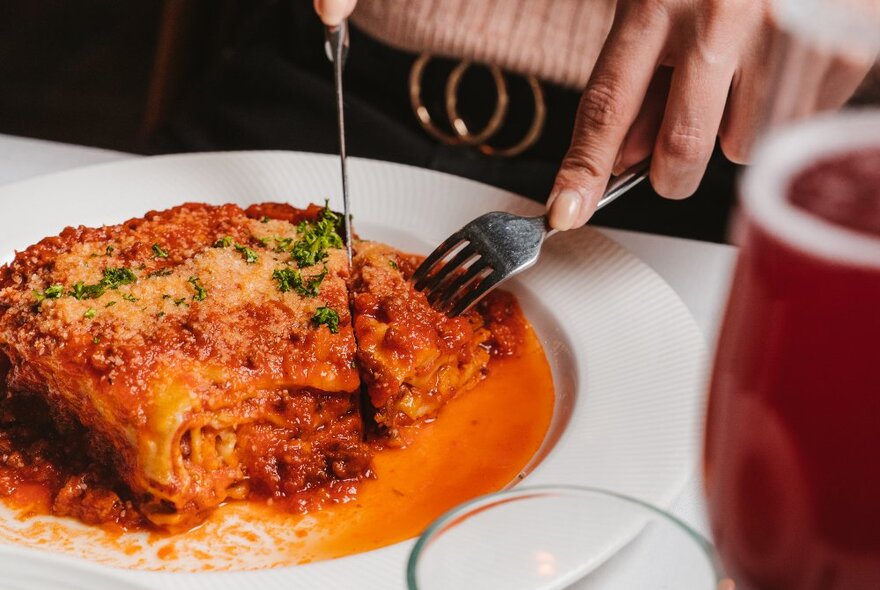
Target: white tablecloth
(699,272)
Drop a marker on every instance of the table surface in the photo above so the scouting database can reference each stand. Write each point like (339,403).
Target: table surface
(699,272)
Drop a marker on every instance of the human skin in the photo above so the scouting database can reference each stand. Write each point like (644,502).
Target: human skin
(673,77)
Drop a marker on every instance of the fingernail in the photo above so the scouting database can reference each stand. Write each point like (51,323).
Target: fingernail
(564,209)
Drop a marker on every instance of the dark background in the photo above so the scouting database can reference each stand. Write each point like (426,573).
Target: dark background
(157,76)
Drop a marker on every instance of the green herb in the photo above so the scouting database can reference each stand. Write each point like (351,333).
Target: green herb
(82,291)
(116,277)
(291,279)
(90,313)
(129,297)
(393,265)
(328,317)
(223,242)
(166,296)
(109,251)
(161,314)
(113,279)
(96,340)
(162,272)
(201,292)
(283,244)
(264,241)
(159,252)
(249,255)
(265,219)
(111,304)
(51,292)
(181,301)
(315,238)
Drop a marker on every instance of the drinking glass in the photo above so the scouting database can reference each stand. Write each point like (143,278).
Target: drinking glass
(549,537)
(792,455)
(792,450)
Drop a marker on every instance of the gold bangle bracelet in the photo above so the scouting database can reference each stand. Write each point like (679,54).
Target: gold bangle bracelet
(421,111)
(462,136)
(498,115)
(534,131)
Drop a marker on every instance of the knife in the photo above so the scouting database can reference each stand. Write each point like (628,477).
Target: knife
(336,45)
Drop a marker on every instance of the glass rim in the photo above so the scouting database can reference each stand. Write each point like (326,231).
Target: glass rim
(459,513)
(790,149)
(828,24)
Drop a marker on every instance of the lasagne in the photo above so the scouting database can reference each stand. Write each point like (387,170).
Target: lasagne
(414,358)
(209,353)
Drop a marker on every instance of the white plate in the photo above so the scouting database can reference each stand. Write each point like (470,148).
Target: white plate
(626,356)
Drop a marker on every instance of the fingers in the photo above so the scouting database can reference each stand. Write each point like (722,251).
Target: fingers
(842,78)
(332,12)
(742,118)
(694,109)
(811,82)
(607,109)
(640,139)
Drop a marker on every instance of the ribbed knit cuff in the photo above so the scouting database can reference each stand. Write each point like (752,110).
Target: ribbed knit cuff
(554,40)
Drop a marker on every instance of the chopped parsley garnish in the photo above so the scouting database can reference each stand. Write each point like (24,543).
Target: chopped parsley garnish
(82,291)
(166,296)
(110,304)
(291,279)
(96,340)
(201,292)
(161,314)
(90,313)
(264,241)
(393,264)
(51,292)
(113,279)
(181,301)
(315,238)
(159,252)
(129,297)
(265,219)
(109,251)
(249,255)
(283,244)
(223,242)
(162,272)
(327,317)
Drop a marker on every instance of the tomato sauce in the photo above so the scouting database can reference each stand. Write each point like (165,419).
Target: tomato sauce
(480,442)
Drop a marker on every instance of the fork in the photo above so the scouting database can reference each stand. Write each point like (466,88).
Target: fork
(494,247)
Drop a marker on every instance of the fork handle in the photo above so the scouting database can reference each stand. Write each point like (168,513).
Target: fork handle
(619,185)
(625,181)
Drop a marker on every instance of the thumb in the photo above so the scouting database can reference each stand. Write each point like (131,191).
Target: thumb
(332,12)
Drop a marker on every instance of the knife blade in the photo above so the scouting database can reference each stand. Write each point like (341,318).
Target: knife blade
(336,45)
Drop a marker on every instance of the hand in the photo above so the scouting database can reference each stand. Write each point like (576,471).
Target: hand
(673,75)
(332,12)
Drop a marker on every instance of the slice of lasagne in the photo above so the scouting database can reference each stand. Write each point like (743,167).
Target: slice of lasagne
(206,351)
(413,358)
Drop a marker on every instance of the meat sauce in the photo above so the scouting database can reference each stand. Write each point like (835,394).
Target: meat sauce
(479,443)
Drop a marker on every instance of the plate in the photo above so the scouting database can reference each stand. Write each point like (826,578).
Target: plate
(627,357)
(25,569)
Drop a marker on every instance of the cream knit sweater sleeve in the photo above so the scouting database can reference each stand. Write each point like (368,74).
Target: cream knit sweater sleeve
(554,40)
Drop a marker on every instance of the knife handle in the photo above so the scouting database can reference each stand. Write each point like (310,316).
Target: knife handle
(336,42)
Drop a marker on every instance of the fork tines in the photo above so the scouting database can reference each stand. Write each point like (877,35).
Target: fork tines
(455,275)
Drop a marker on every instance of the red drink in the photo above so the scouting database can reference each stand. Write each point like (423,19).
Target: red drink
(792,458)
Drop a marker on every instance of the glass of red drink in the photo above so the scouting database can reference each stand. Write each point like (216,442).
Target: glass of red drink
(792,453)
